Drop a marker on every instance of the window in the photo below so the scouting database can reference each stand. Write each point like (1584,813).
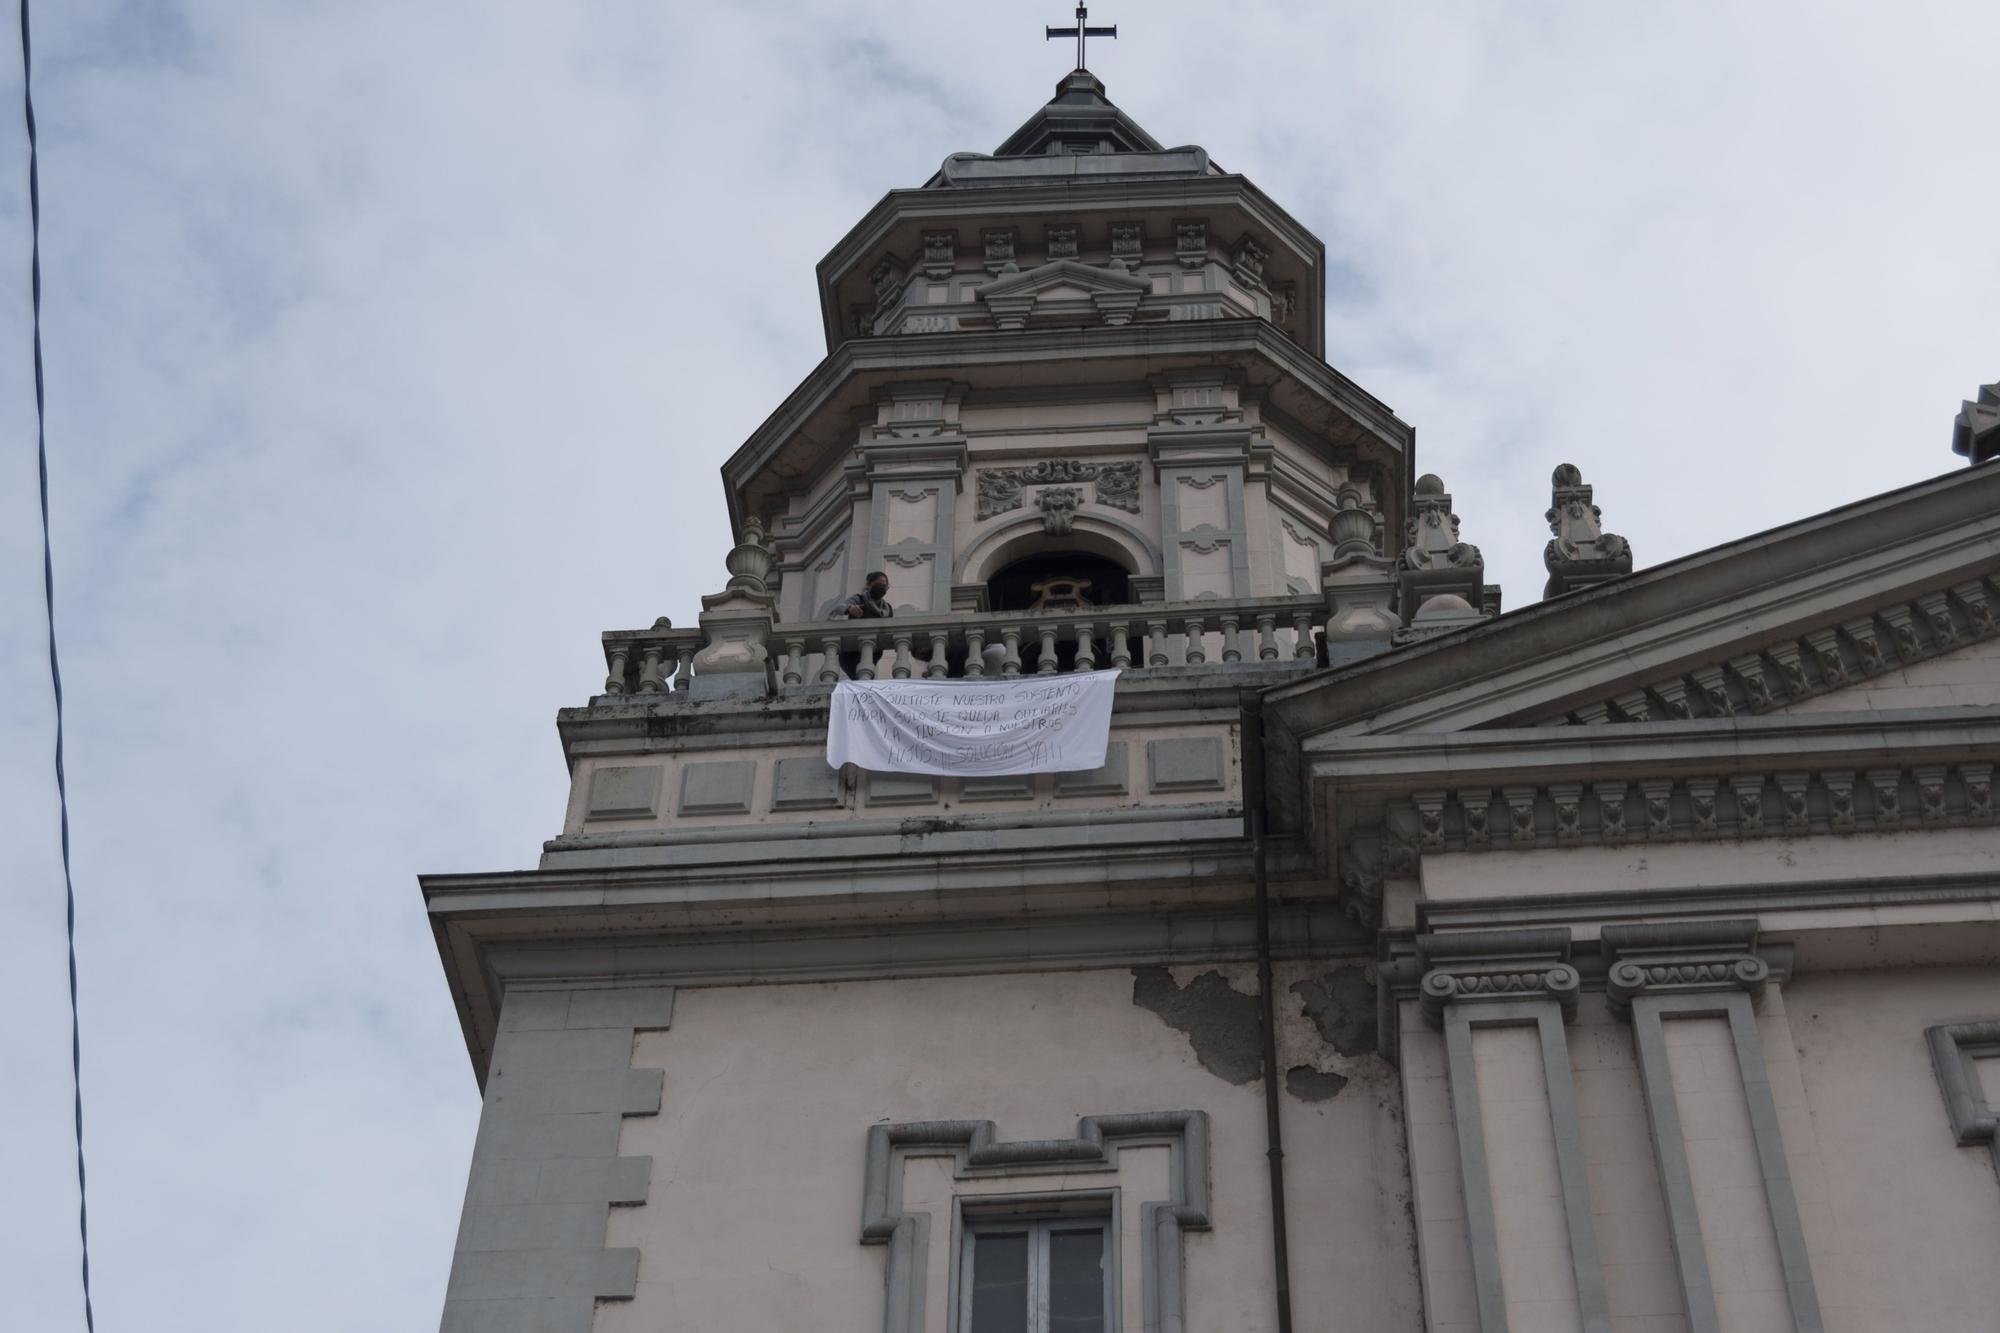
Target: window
(1040,1275)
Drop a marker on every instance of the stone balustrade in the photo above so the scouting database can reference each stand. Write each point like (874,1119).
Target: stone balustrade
(959,645)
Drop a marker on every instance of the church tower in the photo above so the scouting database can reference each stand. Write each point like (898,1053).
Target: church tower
(1404,966)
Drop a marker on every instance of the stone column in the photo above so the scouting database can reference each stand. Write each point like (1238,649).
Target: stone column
(1688,989)
(1502,998)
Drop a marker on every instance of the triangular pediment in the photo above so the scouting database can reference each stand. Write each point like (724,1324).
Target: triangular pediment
(1065,278)
(1871,592)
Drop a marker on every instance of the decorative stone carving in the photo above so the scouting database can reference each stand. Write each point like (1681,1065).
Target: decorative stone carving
(1839,800)
(1860,632)
(1434,561)
(1792,789)
(1714,688)
(1825,646)
(1062,241)
(1749,672)
(1749,791)
(999,244)
(1937,614)
(1611,810)
(1978,607)
(1477,804)
(1931,806)
(1059,505)
(1887,785)
(1659,795)
(1581,553)
(736,623)
(1191,242)
(1701,806)
(1568,799)
(1978,780)
(1496,966)
(1680,957)
(1520,815)
(1001,488)
(940,254)
(1791,669)
(1976,431)
(1128,245)
(1249,262)
(1064,292)
(887,279)
(1284,301)
(1430,820)
(1353,526)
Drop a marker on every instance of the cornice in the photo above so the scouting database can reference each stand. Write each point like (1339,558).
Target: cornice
(1683,616)
(817,411)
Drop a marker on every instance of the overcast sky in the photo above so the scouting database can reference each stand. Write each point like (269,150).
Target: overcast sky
(393,348)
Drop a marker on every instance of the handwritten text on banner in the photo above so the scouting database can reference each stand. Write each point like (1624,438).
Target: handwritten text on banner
(974,728)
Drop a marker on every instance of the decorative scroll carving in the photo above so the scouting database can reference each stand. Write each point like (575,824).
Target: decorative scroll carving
(1128,245)
(1679,957)
(1499,965)
(1001,488)
(1249,262)
(1062,241)
(1976,431)
(1191,242)
(940,254)
(999,243)
(1432,533)
(1581,553)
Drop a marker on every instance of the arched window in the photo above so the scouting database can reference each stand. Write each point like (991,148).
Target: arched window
(1059,581)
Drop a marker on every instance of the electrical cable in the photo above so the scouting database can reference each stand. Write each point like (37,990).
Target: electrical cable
(55,664)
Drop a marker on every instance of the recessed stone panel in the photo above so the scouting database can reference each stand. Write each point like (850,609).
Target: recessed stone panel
(805,782)
(1014,787)
(902,789)
(1111,779)
(624,791)
(718,788)
(1190,763)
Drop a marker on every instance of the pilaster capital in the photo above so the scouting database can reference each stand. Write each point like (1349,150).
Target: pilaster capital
(1497,966)
(1679,958)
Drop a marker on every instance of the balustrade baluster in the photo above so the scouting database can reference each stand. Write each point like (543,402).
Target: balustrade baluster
(1121,647)
(1232,640)
(1302,626)
(1086,649)
(614,680)
(1156,643)
(939,644)
(1197,651)
(684,666)
(975,652)
(865,668)
(1267,636)
(903,640)
(649,669)
(829,659)
(795,660)
(1045,664)
(1010,665)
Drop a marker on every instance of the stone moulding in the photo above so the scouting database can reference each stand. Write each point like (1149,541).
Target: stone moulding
(1955,1047)
(1814,662)
(977,1153)
(1670,971)
(1502,966)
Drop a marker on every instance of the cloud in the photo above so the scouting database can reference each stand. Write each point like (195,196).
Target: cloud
(393,350)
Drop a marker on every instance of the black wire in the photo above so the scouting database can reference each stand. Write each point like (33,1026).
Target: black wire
(55,665)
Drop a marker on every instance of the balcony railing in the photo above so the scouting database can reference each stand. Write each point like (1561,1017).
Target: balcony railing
(964,645)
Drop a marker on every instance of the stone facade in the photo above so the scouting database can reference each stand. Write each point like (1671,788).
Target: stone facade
(1627,963)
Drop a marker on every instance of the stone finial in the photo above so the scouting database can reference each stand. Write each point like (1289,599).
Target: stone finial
(1436,569)
(734,660)
(1976,433)
(1581,553)
(1353,527)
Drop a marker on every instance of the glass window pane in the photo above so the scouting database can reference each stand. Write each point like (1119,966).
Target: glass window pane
(1000,1283)
(1076,1281)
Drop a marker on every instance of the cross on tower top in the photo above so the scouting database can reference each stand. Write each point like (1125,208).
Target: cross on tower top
(1081,32)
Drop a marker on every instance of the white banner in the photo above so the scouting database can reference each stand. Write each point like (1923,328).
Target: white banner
(973,728)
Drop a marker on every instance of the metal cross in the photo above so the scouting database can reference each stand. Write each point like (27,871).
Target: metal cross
(1081,31)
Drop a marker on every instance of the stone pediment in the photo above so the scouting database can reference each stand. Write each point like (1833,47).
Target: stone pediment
(1760,624)
(1063,291)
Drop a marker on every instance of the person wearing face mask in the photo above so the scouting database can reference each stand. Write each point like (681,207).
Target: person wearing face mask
(871,603)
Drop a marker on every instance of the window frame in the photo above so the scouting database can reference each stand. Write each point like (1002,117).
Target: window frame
(1039,1215)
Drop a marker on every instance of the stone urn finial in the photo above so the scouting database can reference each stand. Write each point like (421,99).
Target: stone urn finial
(1581,552)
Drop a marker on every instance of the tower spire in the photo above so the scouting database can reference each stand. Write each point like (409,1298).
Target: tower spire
(1082,32)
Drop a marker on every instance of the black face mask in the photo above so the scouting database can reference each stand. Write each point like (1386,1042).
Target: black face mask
(878,592)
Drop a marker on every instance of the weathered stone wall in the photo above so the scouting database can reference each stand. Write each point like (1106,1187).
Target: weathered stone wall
(753,1216)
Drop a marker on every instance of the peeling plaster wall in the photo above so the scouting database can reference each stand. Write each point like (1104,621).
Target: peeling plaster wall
(770,1092)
